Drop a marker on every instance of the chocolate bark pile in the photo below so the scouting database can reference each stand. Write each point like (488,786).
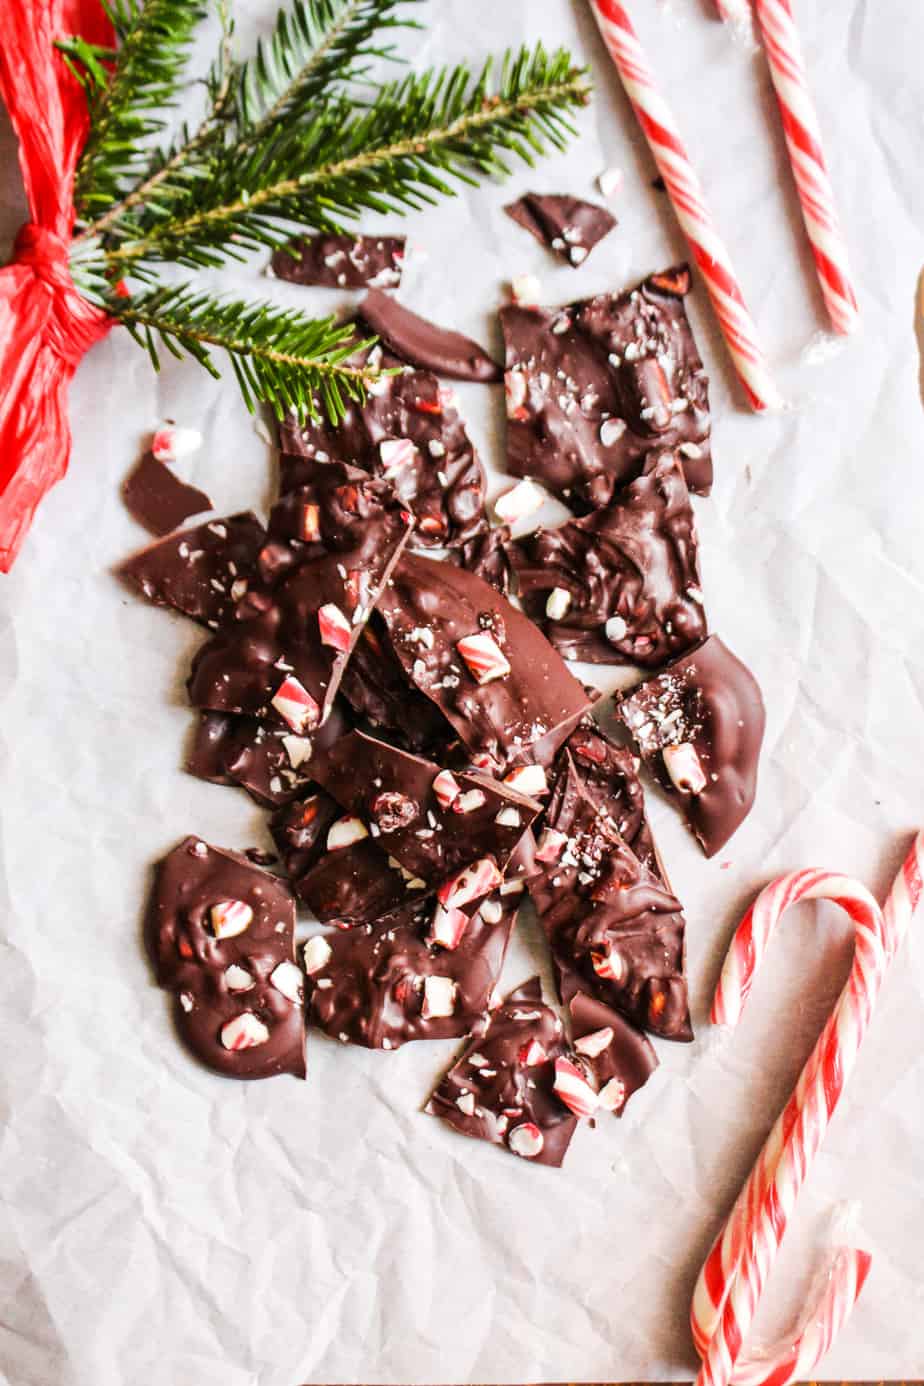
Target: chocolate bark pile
(429,758)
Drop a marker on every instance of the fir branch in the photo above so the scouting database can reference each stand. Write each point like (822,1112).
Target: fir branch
(316,45)
(396,154)
(127,91)
(293,363)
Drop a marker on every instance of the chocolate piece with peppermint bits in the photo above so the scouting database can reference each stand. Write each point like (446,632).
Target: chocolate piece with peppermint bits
(489,670)
(283,654)
(569,227)
(501,1088)
(408,430)
(355,884)
(593,387)
(200,572)
(699,726)
(340,261)
(425,345)
(392,792)
(271,762)
(300,829)
(617,1058)
(380,692)
(614,930)
(486,556)
(157,498)
(609,776)
(220,933)
(622,585)
(384,983)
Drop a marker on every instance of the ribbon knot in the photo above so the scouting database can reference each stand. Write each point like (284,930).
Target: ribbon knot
(73,325)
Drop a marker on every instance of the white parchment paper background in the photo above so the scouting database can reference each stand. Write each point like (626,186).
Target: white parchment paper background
(159,1226)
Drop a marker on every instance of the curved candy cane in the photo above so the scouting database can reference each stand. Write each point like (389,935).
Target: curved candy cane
(733,1277)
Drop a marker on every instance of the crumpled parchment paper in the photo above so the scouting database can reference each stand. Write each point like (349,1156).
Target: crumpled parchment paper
(159,1225)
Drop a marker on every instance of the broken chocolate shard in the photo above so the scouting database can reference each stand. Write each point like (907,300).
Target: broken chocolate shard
(502,1087)
(341,261)
(489,670)
(622,585)
(381,694)
(156,497)
(614,930)
(569,227)
(382,984)
(220,933)
(425,345)
(201,572)
(486,557)
(591,388)
(355,884)
(408,430)
(617,1058)
(699,726)
(608,774)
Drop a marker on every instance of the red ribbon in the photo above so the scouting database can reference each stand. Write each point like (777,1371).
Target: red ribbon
(45,325)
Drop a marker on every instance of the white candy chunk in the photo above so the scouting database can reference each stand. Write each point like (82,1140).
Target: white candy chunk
(526,1140)
(608,963)
(466,1103)
(559,600)
(594,1044)
(448,926)
(468,802)
(491,911)
(230,918)
(439,998)
(345,832)
(508,817)
(287,979)
(317,954)
(528,779)
(611,430)
(609,181)
(521,500)
(186,1001)
(615,629)
(577,254)
(298,749)
(238,978)
(612,1095)
(683,765)
(526,290)
(171,444)
(245,1031)
(484,657)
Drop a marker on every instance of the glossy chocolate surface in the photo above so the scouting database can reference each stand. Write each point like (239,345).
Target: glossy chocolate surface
(593,387)
(710,701)
(569,227)
(425,345)
(608,774)
(627,1060)
(156,497)
(341,261)
(201,572)
(270,761)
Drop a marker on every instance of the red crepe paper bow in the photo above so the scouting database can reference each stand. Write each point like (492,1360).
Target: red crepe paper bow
(45,325)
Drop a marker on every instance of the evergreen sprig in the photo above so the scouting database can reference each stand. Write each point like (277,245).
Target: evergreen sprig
(279,356)
(287,144)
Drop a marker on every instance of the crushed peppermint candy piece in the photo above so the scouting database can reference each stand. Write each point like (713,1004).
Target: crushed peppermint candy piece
(551,845)
(595,1043)
(616,629)
(528,779)
(608,963)
(466,1103)
(559,600)
(171,444)
(295,705)
(298,749)
(396,452)
(526,1140)
(237,978)
(573,1088)
(334,628)
(491,911)
(684,767)
(610,181)
(439,997)
(285,977)
(317,954)
(345,832)
(448,926)
(484,657)
(446,788)
(468,802)
(611,430)
(531,1054)
(526,290)
(508,817)
(244,1031)
(515,394)
(612,1095)
(521,500)
(230,918)
(310,526)
(469,884)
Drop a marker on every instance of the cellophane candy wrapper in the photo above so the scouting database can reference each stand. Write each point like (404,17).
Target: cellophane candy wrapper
(46,327)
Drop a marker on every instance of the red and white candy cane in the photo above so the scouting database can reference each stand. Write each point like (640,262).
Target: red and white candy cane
(686,194)
(733,1277)
(803,141)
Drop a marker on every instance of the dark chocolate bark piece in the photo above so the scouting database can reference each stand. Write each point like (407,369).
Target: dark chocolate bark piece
(409,431)
(300,829)
(156,497)
(568,226)
(283,655)
(380,693)
(384,983)
(593,387)
(486,557)
(622,585)
(699,726)
(502,1087)
(490,671)
(609,776)
(614,930)
(220,933)
(425,345)
(201,572)
(355,883)
(341,261)
(616,1058)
